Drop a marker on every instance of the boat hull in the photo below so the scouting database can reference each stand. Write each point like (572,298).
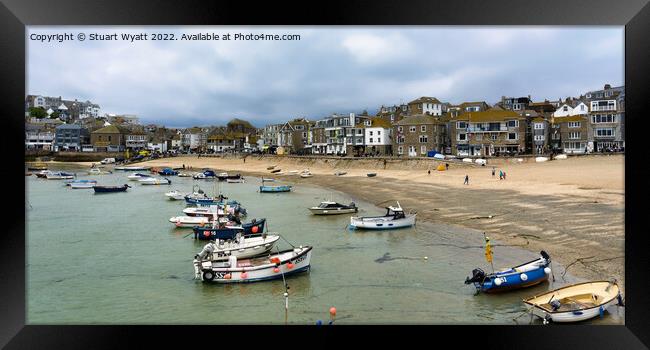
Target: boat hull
(103,189)
(274,189)
(381,223)
(247,229)
(335,211)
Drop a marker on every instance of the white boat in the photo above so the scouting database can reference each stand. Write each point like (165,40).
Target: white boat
(235,181)
(137,176)
(577,302)
(333,208)
(241,247)
(292,172)
(184,175)
(59,176)
(306,175)
(175,195)
(268,180)
(208,211)
(97,171)
(340,173)
(80,185)
(154,181)
(191,221)
(394,218)
(274,266)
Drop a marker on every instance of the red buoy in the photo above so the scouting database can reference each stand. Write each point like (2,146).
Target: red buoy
(206,233)
(254,229)
(333,311)
(227,276)
(244,275)
(290,266)
(276,270)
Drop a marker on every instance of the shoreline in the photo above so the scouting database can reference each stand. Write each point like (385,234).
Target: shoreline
(573,208)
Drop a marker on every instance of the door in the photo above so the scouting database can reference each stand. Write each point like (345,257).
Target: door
(412,152)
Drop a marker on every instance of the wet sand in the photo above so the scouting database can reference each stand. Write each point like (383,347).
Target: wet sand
(571,208)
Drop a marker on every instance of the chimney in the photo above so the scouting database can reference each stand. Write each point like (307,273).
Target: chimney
(607,87)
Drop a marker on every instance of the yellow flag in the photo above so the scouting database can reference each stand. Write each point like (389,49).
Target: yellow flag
(488,251)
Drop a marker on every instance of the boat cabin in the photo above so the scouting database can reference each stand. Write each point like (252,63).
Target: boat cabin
(395,212)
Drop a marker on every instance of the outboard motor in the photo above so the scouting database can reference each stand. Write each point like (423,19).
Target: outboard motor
(545,256)
(477,276)
(555,304)
(208,249)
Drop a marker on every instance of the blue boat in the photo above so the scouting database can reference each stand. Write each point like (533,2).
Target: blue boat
(521,276)
(206,174)
(168,172)
(274,189)
(251,229)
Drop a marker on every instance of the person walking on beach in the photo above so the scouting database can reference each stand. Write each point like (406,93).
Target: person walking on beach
(183,166)
(446,166)
(500,174)
(466,180)
(493,171)
(504,175)
(429,171)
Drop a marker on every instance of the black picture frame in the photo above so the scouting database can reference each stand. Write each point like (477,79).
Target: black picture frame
(16,14)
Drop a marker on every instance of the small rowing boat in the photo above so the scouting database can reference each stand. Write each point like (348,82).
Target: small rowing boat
(340,173)
(275,189)
(109,189)
(577,302)
(394,218)
(241,247)
(276,171)
(97,171)
(59,176)
(371,174)
(270,267)
(76,184)
(235,181)
(175,195)
(137,176)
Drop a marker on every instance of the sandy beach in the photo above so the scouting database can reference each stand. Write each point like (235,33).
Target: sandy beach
(572,208)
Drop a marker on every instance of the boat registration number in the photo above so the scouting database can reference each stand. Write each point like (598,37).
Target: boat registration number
(300,259)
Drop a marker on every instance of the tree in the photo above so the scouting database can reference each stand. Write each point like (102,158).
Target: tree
(55,115)
(37,112)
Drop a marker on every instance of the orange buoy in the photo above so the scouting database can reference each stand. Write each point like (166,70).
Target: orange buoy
(276,270)
(244,275)
(254,229)
(227,276)
(333,311)
(290,266)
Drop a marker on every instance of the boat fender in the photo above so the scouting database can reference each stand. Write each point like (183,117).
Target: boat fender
(290,266)
(547,319)
(208,275)
(547,270)
(276,270)
(524,277)
(620,300)
(244,275)
(498,281)
(601,311)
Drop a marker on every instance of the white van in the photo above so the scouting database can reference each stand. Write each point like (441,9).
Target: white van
(108,160)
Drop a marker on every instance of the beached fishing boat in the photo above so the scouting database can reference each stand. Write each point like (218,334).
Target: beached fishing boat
(59,176)
(97,171)
(234,270)
(154,181)
(175,195)
(228,229)
(137,176)
(275,189)
(520,276)
(168,172)
(271,167)
(340,173)
(394,218)
(132,168)
(37,167)
(371,174)
(109,189)
(276,171)
(304,176)
(333,208)
(241,247)
(577,302)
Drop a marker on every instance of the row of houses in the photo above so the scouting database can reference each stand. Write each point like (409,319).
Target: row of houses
(593,122)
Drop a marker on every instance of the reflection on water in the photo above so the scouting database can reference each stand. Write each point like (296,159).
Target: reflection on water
(115,258)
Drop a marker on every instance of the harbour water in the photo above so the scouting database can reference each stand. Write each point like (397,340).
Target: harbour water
(116,259)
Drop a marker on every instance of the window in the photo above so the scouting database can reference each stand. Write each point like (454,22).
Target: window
(412,129)
(370,140)
(378,132)
(423,128)
(574,124)
(423,149)
(512,123)
(400,129)
(556,136)
(424,138)
(400,149)
(511,136)
(304,135)
(574,135)
(478,137)
(368,122)
(603,118)
(462,137)
(400,139)
(392,118)
(539,137)
(299,127)
(371,133)
(109,138)
(461,125)
(565,108)
(604,132)
(494,136)
(539,126)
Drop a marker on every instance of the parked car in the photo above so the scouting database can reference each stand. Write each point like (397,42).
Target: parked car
(108,161)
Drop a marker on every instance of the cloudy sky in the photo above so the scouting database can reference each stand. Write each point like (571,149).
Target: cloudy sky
(330,69)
